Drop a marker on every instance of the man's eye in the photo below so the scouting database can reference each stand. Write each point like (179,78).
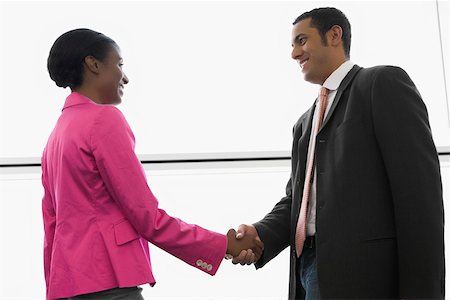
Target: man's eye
(301,41)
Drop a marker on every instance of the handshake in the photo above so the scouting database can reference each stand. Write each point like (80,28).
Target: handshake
(244,246)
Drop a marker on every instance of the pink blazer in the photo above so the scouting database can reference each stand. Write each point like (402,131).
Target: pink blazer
(99,212)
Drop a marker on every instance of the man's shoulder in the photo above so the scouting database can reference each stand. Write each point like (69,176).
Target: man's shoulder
(381,69)
(366,77)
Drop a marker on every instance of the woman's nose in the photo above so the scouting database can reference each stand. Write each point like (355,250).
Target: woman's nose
(125,79)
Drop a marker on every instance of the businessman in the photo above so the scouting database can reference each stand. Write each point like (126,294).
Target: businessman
(363,211)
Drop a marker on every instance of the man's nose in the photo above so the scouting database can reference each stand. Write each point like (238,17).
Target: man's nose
(296,52)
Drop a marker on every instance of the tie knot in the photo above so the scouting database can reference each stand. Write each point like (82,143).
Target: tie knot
(323,91)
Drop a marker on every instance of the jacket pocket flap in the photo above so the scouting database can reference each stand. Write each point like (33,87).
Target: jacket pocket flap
(124,232)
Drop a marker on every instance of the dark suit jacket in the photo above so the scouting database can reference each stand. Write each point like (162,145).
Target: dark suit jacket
(379,222)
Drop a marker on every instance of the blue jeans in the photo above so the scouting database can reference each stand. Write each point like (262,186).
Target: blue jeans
(308,274)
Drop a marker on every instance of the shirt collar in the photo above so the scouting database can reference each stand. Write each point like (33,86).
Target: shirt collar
(75,99)
(335,79)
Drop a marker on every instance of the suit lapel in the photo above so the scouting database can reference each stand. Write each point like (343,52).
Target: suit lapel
(307,125)
(304,126)
(299,153)
(344,84)
(303,143)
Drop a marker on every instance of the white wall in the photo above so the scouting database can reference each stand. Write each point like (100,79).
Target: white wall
(214,195)
(207,76)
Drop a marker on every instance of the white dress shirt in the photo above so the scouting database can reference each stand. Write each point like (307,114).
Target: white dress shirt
(332,83)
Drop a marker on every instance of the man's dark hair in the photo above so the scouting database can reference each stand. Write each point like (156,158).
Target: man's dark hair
(326,17)
(65,61)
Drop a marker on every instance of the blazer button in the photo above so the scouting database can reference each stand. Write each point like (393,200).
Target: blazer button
(204,265)
(199,262)
(209,268)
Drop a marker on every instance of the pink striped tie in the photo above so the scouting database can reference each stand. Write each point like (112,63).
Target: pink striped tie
(300,233)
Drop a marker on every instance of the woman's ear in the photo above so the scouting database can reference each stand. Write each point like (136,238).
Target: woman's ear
(92,64)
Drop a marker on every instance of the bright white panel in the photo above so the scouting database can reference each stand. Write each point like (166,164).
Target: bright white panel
(444,19)
(213,196)
(216,196)
(205,76)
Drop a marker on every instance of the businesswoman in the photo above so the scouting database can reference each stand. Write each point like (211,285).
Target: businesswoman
(98,210)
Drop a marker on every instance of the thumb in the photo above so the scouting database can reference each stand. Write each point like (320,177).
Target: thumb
(242,230)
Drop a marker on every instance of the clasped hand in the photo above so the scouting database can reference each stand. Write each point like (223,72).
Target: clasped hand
(249,245)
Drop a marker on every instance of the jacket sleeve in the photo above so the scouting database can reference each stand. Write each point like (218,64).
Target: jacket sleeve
(403,133)
(274,228)
(112,143)
(49,217)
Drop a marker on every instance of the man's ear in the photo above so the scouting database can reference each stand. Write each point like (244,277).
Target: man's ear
(335,36)
(92,64)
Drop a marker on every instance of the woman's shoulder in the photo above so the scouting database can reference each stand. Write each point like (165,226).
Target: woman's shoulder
(108,120)
(108,113)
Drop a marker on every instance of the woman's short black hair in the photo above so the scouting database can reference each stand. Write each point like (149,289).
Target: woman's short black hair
(65,61)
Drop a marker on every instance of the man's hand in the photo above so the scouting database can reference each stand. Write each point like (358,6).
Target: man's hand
(246,243)
(247,256)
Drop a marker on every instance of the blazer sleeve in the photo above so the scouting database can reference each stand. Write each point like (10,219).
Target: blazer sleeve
(112,143)
(403,133)
(49,217)
(274,228)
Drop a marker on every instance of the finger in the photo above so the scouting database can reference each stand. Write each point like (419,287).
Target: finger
(249,256)
(236,261)
(252,259)
(258,251)
(242,229)
(259,243)
(231,231)
(240,258)
(258,247)
(261,249)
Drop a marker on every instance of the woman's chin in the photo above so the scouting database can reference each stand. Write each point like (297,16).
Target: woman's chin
(118,98)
